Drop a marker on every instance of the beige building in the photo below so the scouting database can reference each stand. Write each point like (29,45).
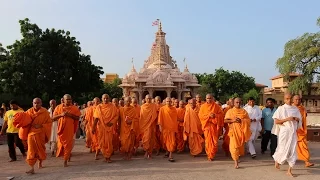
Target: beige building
(110,77)
(279,85)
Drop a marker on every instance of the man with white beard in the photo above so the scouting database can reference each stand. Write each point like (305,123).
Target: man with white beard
(255,114)
(287,120)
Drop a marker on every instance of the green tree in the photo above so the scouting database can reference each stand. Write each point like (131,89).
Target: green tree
(113,89)
(301,55)
(224,84)
(48,64)
(252,93)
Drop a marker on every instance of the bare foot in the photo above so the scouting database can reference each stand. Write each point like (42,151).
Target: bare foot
(276,165)
(149,156)
(96,158)
(158,153)
(236,164)
(11,160)
(40,165)
(308,164)
(65,164)
(69,160)
(290,174)
(31,171)
(52,154)
(209,159)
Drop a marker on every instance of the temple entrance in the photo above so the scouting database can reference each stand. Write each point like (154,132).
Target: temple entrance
(174,94)
(162,94)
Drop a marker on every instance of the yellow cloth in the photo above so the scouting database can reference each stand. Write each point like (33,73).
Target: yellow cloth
(8,117)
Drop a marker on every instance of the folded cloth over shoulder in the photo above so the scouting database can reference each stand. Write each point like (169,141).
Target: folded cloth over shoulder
(23,121)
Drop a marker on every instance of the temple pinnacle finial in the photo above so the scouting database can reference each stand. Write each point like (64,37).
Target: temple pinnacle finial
(132,63)
(160,26)
(186,66)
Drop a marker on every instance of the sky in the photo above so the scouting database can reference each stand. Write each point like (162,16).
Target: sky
(246,36)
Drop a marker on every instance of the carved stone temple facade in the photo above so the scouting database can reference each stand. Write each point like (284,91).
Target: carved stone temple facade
(159,75)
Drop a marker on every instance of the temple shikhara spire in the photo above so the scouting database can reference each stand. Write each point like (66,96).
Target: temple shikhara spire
(160,75)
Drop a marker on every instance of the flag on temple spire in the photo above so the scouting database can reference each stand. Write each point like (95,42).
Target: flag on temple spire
(155,23)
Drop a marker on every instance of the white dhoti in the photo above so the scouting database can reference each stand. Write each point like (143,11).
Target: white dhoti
(287,135)
(54,133)
(255,127)
(54,136)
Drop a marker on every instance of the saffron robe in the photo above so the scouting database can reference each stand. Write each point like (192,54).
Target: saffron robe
(168,121)
(302,147)
(67,127)
(147,123)
(193,131)
(239,133)
(179,136)
(136,127)
(210,127)
(106,113)
(38,137)
(92,139)
(127,134)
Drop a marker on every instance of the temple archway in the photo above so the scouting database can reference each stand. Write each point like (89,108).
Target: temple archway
(162,94)
(174,94)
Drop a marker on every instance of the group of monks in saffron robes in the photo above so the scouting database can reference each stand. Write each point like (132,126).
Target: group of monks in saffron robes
(170,125)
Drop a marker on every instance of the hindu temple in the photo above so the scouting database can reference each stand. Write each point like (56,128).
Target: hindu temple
(160,75)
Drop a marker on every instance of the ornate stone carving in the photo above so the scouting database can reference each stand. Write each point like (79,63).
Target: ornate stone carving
(153,77)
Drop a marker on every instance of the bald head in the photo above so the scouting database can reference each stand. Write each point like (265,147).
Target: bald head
(288,99)
(296,100)
(52,103)
(209,98)
(193,103)
(67,100)
(148,99)
(134,101)
(237,102)
(127,101)
(121,102)
(96,101)
(230,102)
(198,98)
(105,98)
(168,101)
(157,100)
(181,104)
(89,103)
(37,103)
(176,103)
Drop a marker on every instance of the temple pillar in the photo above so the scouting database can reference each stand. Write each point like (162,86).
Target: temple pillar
(179,95)
(168,91)
(150,91)
(140,96)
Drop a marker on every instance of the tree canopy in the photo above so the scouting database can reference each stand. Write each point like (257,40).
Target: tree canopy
(224,84)
(301,55)
(47,63)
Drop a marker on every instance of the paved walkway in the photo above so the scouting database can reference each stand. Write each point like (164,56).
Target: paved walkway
(83,166)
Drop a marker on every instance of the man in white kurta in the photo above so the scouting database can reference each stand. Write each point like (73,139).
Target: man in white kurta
(287,120)
(255,114)
(54,128)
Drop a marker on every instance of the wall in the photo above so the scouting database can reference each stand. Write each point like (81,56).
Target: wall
(277,83)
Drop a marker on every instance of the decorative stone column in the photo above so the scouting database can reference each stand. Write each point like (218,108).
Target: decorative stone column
(140,96)
(150,91)
(169,92)
(179,92)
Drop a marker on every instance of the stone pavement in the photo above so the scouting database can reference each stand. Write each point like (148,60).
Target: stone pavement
(83,167)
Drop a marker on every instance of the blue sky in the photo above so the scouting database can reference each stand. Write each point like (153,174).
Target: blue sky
(246,36)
